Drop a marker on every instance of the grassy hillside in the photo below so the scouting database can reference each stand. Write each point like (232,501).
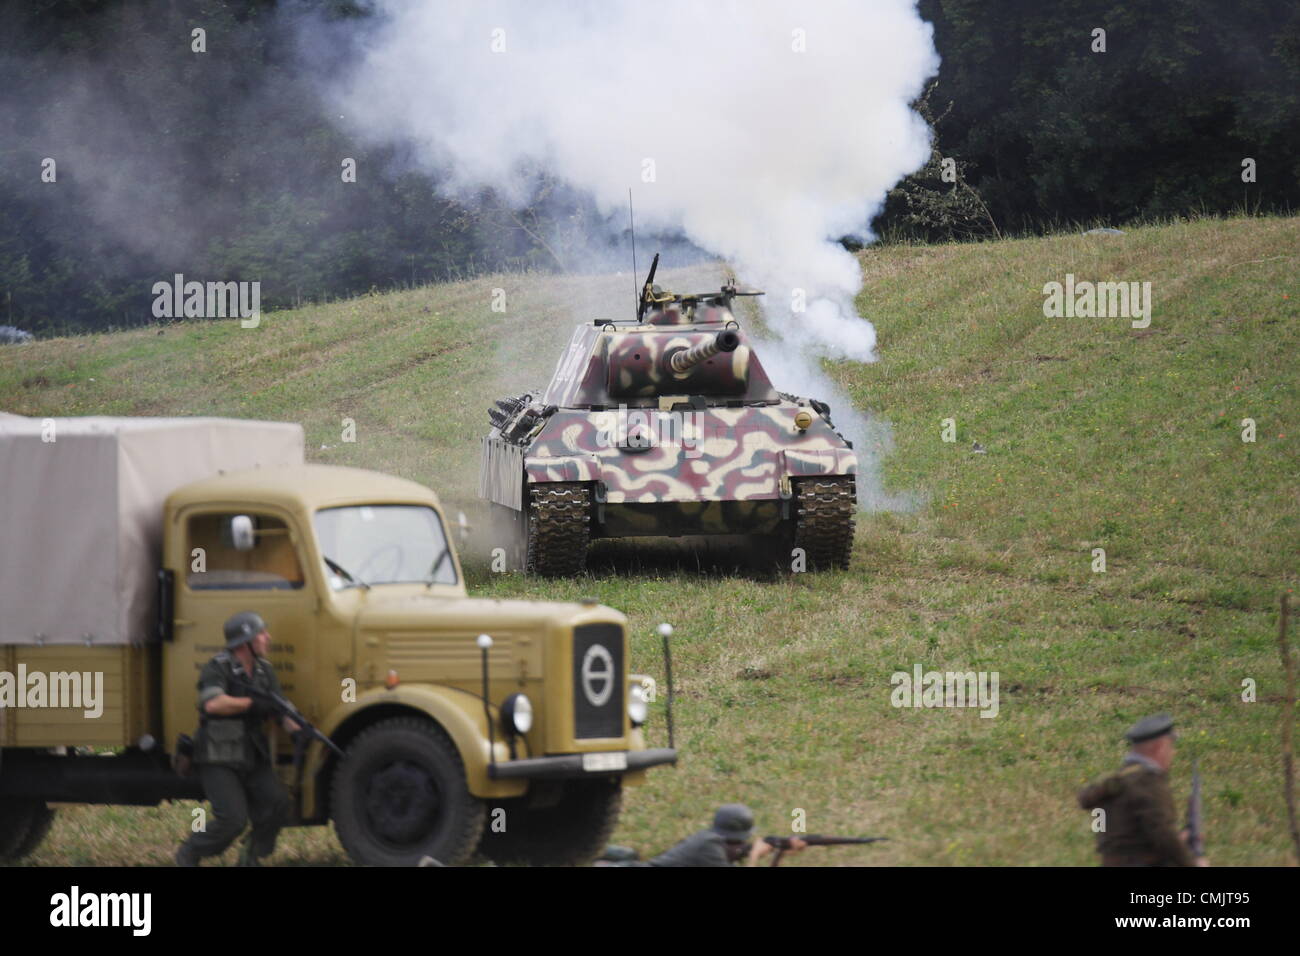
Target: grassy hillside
(1098,435)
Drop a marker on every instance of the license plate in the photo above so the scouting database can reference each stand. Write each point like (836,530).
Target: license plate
(597,762)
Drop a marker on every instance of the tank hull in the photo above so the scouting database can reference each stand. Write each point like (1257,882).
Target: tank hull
(671,457)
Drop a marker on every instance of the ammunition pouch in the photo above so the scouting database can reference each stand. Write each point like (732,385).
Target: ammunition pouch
(223,741)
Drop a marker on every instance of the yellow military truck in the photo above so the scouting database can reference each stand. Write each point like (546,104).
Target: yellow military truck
(505,728)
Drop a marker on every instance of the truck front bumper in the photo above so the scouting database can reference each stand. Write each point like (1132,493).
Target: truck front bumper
(575,766)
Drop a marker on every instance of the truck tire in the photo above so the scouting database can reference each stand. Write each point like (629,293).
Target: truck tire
(24,823)
(400,795)
(573,832)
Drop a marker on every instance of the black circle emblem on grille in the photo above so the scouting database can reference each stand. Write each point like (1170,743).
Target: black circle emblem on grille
(597,675)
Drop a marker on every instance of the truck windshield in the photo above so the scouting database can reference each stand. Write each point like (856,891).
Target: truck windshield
(384,544)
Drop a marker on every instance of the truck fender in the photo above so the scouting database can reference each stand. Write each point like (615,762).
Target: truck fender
(459,714)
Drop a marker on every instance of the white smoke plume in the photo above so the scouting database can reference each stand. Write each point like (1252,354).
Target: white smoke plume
(762,130)
(770,128)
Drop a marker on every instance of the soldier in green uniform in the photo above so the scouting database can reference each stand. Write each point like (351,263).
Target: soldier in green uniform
(729,840)
(231,752)
(1139,827)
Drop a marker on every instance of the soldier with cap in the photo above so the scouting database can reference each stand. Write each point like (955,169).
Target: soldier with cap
(1138,827)
(730,839)
(231,752)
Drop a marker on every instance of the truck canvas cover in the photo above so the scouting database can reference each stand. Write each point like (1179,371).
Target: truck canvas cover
(81,515)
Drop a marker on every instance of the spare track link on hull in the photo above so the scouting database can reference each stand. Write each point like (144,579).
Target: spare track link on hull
(559,528)
(823,527)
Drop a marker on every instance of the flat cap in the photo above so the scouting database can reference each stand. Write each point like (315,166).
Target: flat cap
(1149,728)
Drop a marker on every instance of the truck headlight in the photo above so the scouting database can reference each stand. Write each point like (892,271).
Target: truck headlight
(517,714)
(637,708)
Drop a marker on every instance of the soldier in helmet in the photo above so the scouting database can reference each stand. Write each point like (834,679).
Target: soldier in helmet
(231,751)
(1139,827)
(727,842)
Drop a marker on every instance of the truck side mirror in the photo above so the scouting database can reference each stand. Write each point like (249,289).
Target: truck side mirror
(240,534)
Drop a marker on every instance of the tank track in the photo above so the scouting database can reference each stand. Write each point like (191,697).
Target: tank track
(559,528)
(823,524)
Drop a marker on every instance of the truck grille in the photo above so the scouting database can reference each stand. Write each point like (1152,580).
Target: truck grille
(597,681)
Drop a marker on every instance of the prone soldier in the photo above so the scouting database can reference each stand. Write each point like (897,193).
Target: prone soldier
(727,842)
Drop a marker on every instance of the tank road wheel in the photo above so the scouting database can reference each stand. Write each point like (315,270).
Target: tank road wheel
(558,528)
(823,524)
(400,795)
(24,823)
(572,832)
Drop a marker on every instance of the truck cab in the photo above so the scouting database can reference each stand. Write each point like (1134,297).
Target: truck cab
(363,594)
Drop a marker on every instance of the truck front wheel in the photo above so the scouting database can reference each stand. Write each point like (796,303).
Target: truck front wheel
(572,832)
(24,822)
(400,795)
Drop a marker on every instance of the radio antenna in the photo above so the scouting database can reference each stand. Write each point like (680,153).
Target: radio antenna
(636,295)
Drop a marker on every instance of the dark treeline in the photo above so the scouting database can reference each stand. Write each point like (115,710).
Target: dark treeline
(226,164)
(1045,131)
(218,165)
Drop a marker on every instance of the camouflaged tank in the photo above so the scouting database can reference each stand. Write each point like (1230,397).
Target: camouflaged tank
(667,425)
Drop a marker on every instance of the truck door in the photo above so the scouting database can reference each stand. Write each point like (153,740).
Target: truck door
(231,570)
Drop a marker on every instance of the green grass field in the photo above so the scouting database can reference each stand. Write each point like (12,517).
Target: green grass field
(1098,435)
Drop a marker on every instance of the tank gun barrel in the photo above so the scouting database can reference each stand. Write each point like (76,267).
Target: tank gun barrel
(683,360)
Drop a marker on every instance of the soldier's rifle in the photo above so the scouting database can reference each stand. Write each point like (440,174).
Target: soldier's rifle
(782,843)
(283,707)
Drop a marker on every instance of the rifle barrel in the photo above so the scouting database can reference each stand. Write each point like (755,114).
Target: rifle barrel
(817,839)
